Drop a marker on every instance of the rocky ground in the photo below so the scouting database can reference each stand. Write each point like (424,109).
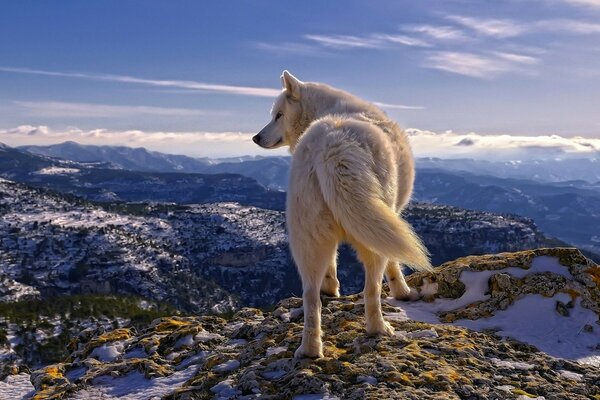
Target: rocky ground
(476,333)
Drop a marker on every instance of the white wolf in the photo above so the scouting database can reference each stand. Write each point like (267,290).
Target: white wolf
(352,172)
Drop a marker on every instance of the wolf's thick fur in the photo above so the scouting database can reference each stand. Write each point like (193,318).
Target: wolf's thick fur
(352,173)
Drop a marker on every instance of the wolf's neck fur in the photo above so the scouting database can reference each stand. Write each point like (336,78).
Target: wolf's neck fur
(320,100)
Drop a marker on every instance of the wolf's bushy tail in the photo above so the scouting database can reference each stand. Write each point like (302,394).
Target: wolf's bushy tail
(354,196)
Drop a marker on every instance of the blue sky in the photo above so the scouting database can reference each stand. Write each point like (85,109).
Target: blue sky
(98,71)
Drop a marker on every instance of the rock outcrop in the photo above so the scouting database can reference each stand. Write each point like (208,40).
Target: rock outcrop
(476,333)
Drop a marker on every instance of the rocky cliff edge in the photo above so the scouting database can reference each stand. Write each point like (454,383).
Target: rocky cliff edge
(507,326)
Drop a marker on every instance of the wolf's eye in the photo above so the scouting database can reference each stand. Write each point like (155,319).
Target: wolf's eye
(279,115)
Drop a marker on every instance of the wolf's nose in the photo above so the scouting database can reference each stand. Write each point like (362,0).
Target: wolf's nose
(256,139)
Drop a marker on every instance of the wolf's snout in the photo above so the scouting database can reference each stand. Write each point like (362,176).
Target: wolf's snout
(256,139)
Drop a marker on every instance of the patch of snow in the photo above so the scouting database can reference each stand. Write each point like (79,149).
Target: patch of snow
(227,366)
(275,350)
(531,319)
(16,387)
(133,386)
(205,336)
(195,359)
(574,376)
(505,388)
(56,171)
(423,333)
(187,341)
(108,351)
(509,364)
(534,320)
(546,264)
(225,389)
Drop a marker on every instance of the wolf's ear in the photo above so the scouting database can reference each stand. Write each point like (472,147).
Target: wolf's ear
(291,85)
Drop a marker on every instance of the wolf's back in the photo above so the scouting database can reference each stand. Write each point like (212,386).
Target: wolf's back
(354,195)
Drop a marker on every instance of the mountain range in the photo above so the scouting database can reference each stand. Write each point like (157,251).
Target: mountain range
(565,209)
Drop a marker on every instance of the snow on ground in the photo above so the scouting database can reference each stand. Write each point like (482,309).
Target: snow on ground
(134,386)
(275,350)
(225,389)
(531,319)
(227,366)
(16,387)
(108,351)
(56,171)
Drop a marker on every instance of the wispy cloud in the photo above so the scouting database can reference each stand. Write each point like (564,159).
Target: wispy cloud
(191,85)
(587,3)
(58,109)
(570,26)
(397,106)
(507,28)
(438,32)
(478,65)
(288,48)
(401,39)
(499,28)
(345,41)
(516,58)
(319,43)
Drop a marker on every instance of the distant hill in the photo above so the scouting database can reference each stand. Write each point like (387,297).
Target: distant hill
(567,212)
(97,181)
(584,170)
(271,171)
(135,159)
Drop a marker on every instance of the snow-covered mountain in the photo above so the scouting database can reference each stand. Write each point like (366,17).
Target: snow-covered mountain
(509,326)
(135,159)
(99,181)
(196,258)
(271,170)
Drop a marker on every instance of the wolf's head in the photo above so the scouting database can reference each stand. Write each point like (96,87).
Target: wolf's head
(288,119)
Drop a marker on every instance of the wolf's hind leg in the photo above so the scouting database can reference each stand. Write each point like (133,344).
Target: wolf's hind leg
(374,268)
(313,261)
(398,287)
(331,285)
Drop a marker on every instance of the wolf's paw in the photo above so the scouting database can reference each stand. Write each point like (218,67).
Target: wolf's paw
(411,295)
(309,351)
(383,328)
